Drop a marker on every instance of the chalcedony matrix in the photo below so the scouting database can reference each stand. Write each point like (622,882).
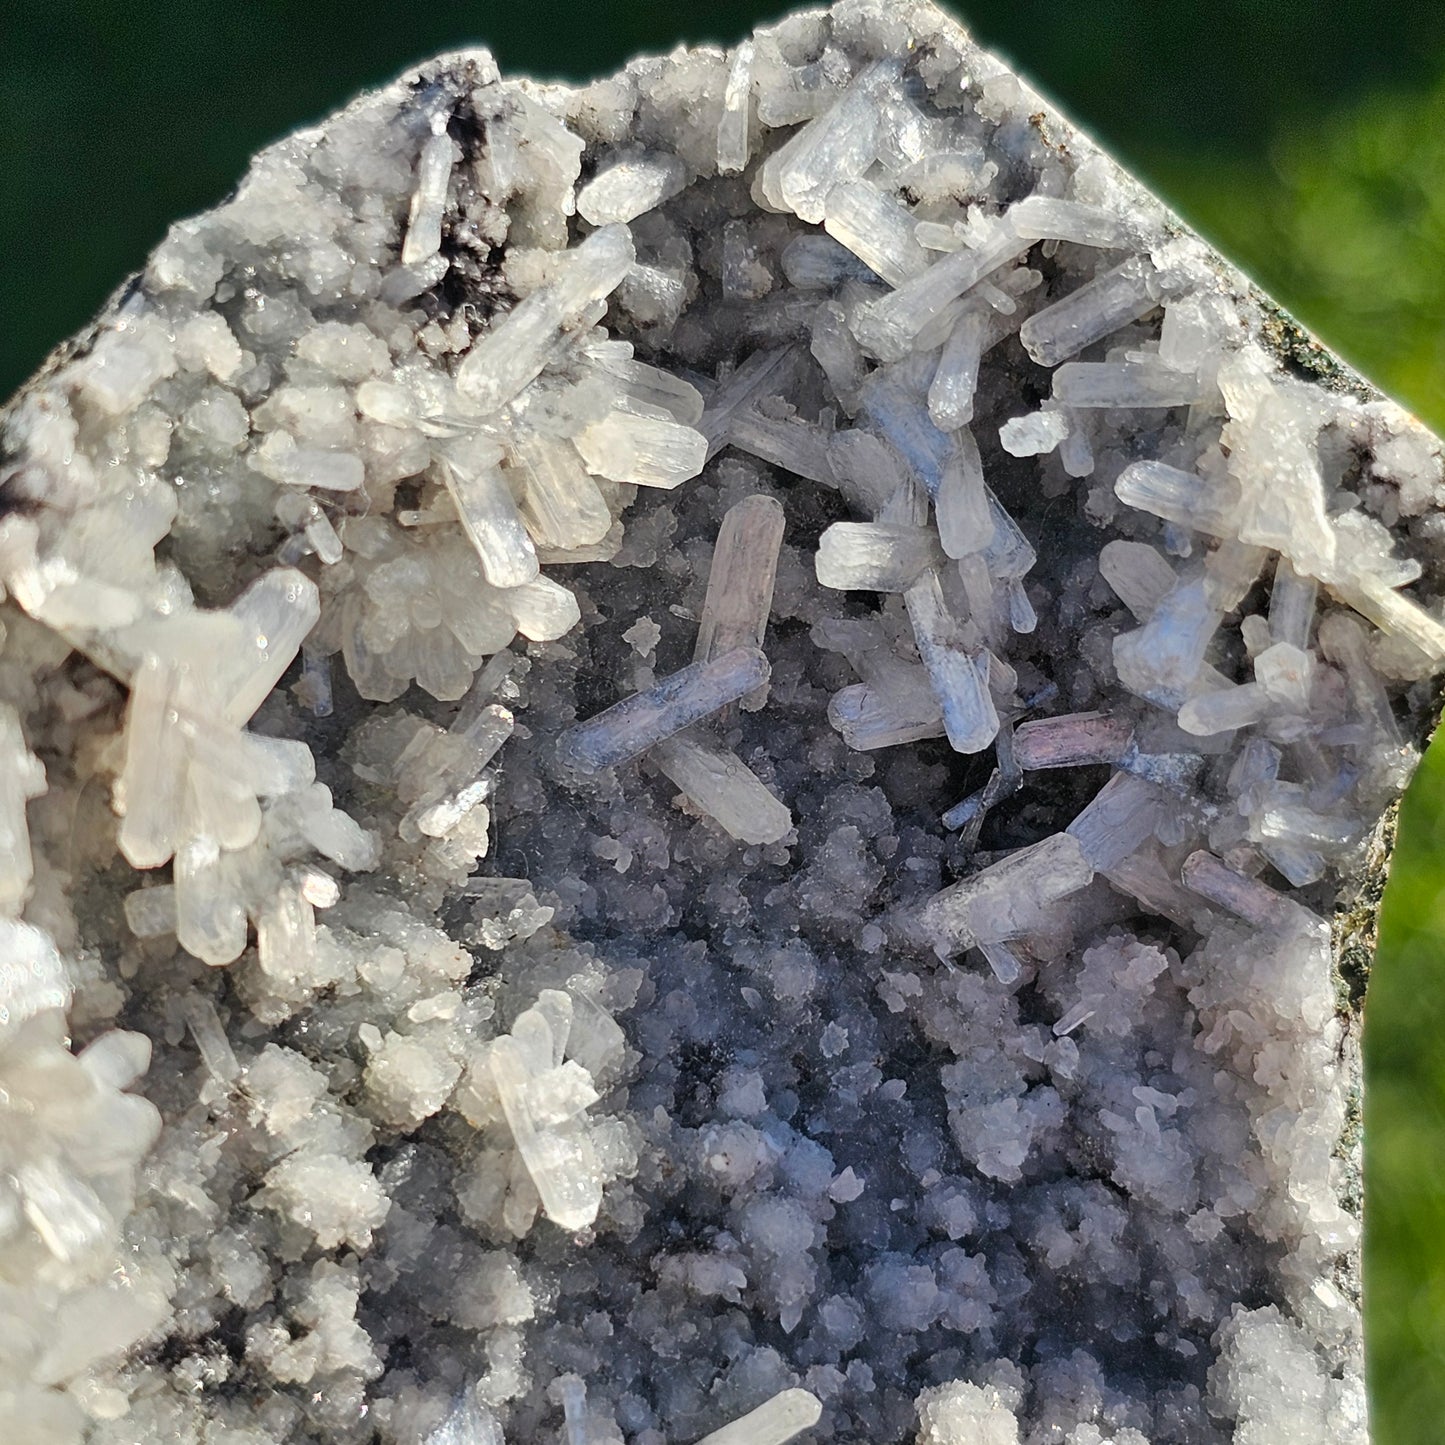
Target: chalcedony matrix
(695,757)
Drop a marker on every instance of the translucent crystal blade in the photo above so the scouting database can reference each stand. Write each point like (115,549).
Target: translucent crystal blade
(774,1422)
(740,582)
(725,788)
(639,722)
(510,355)
(960,686)
(489,513)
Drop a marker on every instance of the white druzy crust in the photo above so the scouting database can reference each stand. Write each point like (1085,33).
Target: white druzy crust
(699,758)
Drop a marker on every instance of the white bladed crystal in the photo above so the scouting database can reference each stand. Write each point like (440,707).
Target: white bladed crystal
(886,328)
(21,778)
(563,1165)
(1033,435)
(1046,218)
(542,609)
(559,500)
(724,787)
(732,130)
(33,977)
(513,353)
(630,187)
(774,1422)
(1179,496)
(1008,899)
(875,556)
(836,146)
(1292,601)
(488,512)
(646,450)
(321,467)
(1126,384)
(950,393)
(1090,313)
(276,612)
(424,224)
(875,228)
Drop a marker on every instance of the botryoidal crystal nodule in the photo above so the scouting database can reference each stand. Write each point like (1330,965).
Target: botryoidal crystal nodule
(692,758)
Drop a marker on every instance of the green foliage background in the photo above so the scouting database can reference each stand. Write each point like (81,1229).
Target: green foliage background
(1306,137)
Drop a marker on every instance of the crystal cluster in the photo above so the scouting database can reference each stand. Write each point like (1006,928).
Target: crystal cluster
(696,758)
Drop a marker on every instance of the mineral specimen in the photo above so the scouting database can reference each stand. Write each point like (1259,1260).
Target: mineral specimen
(703,756)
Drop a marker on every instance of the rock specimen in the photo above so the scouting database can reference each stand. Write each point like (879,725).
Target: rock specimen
(698,754)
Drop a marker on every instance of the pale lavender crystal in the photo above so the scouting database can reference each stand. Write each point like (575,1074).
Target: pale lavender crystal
(1224,709)
(869,716)
(966,519)
(1246,898)
(1071,740)
(740,583)
(1163,658)
(1121,817)
(638,722)
(959,683)
(903,421)
(795,445)
(1343,641)
(834,349)
(1138,574)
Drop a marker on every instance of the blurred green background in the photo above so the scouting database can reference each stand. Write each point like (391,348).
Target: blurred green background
(1306,137)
